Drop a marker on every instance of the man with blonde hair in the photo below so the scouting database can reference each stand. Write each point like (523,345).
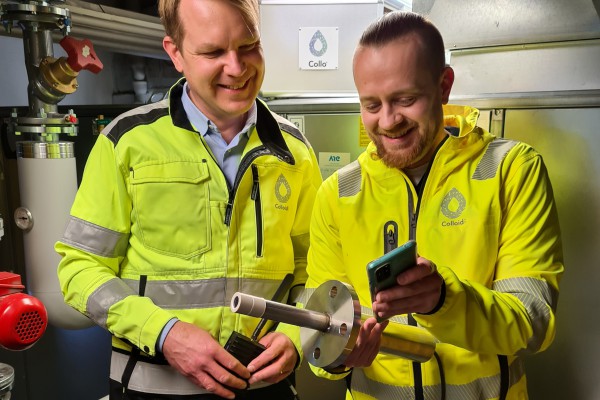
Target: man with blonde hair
(185,202)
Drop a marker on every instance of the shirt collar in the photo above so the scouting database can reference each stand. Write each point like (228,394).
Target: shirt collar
(202,124)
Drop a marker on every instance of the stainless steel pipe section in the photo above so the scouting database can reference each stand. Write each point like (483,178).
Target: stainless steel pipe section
(258,307)
(410,342)
(332,316)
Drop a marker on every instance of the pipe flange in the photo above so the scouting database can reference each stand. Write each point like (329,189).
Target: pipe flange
(329,349)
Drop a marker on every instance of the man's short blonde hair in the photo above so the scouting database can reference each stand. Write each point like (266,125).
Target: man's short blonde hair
(168,10)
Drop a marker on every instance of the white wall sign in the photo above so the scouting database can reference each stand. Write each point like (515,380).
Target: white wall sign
(297,120)
(331,162)
(318,48)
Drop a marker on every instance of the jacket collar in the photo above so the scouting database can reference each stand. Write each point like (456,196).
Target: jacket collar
(267,127)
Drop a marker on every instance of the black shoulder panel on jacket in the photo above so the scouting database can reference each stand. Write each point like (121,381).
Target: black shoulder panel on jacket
(270,134)
(290,128)
(178,113)
(143,115)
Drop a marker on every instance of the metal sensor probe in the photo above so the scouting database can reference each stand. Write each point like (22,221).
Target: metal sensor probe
(330,323)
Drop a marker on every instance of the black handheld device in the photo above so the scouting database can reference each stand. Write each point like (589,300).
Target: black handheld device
(246,349)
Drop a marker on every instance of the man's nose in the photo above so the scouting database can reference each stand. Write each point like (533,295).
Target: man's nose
(235,65)
(390,118)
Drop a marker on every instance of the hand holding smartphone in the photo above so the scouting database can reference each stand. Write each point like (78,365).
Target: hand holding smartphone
(383,271)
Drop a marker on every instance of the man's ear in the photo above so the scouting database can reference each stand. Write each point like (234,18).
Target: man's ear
(447,80)
(173,52)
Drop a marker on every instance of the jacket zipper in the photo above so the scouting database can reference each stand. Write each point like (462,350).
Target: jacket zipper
(413,215)
(257,210)
(244,165)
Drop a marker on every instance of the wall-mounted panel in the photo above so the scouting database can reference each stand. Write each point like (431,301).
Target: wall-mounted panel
(281,24)
(569,142)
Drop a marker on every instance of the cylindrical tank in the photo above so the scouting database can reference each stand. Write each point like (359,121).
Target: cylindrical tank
(47,185)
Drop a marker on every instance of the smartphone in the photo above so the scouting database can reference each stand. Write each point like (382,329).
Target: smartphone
(383,271)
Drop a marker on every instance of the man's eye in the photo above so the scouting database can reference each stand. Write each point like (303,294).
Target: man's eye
(371,107)
(249,47)
(212,54)
(406,101)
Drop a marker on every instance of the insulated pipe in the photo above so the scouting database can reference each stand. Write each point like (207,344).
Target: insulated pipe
(122,26)
(330,323)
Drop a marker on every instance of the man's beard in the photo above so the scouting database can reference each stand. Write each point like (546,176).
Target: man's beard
(398,158)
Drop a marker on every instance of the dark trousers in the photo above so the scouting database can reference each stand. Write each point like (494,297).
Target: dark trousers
(278,391)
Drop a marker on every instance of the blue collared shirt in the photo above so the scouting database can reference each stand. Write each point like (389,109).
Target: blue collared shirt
(228,156)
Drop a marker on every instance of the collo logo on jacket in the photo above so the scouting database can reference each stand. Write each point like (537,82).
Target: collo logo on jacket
(283,191)
(453,205)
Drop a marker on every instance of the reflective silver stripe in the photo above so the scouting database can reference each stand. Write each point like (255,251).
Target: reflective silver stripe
(141,110)
(494,154)
(537,296)
(94,239)
(159,379)
(481,388)
(202,293)
(104,297)
(205,293)
(349,178)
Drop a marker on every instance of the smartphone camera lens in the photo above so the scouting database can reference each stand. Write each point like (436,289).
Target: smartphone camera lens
(383,272)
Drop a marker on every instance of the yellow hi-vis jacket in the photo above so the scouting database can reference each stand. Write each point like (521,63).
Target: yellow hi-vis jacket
(154,207)
(484,213)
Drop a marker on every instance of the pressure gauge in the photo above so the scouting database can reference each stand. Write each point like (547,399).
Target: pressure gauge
(23,219)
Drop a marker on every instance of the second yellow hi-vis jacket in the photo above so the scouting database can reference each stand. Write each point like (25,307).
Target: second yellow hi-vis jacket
(484,213)
(156,232)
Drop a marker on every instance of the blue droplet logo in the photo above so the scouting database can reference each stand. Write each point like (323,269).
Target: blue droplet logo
(318,36)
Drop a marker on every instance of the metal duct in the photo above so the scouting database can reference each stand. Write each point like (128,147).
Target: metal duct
(472,23)
(113,29)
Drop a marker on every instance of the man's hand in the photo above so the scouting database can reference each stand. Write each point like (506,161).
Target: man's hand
(418,290)
(276,362)
(199,357)
(367,344)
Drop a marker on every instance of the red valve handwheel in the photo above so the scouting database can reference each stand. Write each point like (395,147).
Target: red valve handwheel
(81,54)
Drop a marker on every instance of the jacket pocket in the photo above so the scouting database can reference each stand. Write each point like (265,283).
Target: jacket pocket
(171,209)
(255,195)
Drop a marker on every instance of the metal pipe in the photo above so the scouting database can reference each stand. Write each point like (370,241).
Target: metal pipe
(258,307)
(409,342)
(333,318)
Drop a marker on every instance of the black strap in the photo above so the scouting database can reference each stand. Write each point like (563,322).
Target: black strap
(442,375)
(419,395)
(279,295)
(348,379)
(504,375)
(135,351)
